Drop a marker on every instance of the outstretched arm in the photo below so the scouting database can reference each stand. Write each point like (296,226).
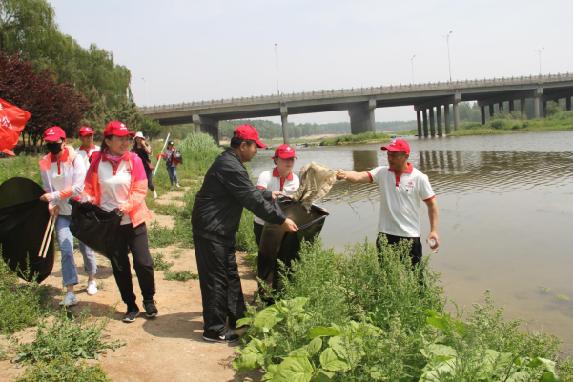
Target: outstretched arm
(354,176)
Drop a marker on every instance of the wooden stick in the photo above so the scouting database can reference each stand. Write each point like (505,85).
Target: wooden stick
(47,236)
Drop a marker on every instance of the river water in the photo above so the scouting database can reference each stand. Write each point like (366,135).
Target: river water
(505,217)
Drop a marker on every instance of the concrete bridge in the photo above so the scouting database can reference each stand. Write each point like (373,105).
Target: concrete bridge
(433,103)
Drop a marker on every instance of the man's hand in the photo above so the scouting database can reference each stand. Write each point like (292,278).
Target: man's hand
(276,194)
(433,240)
(289,225)
(342,175)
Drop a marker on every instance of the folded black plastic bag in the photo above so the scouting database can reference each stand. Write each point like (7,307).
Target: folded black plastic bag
(23,221)
(95,227)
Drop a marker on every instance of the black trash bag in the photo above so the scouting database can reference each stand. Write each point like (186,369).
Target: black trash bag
(275,244)
(23,221)
(95,227)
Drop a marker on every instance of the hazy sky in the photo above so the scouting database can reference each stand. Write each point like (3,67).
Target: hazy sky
(181,51)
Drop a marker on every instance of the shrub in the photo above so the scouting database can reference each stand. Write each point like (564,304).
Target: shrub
(66,337)
(159,263)
(63,369)
(180,276)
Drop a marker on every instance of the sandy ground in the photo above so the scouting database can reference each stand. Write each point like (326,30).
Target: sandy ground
(167,348)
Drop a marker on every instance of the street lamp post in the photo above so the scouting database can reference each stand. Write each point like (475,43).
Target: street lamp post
(448,54)
(413,68)
(277,67)
(540,60)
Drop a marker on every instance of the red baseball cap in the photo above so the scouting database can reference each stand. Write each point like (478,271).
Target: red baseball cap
(248,132)
(85,131)
(54,134)
(285,152)
(118,129)
(398,145)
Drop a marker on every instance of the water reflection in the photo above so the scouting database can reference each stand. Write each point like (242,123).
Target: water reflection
(463,172)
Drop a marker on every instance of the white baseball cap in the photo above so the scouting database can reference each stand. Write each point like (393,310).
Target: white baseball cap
(139,134)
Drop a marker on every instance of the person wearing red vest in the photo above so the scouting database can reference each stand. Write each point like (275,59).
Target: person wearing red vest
(117,180)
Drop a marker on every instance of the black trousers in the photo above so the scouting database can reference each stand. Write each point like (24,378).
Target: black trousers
(221,293)
(134,240)
(416,248)
(257,230)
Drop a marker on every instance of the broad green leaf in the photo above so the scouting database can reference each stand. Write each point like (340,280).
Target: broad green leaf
(294,369)
(315,345)
(266,319)
(435,373)
(331,362)
(321,331)
(323,376)
(244,321)
(301,352)
(246,362)
(519,376)
(437,350)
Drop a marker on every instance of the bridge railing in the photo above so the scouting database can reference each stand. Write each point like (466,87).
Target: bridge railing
(402,88)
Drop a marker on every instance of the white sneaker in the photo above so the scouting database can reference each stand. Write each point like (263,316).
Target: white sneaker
(92,288)
(177,185)
(69,300)
(154,194)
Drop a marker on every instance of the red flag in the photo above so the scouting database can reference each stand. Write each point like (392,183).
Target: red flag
(12,122)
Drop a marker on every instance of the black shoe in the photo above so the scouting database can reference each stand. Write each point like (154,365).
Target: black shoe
(131,314)
(228,337)
(150,309)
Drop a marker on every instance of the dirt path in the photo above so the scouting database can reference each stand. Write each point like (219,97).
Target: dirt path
(168,348)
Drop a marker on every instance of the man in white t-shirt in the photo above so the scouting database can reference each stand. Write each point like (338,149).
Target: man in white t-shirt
(87,147)
(402,188)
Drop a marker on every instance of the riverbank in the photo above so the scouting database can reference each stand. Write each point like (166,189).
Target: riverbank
(354,139)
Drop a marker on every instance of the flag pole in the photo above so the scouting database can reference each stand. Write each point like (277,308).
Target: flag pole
(162,150)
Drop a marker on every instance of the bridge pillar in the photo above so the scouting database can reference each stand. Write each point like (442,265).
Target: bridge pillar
(207,125)
(569,103)
(363,117)
(419,127)
(446,118)
(455,111)
(439,120)
(523,107)
(544,106)
(537,102)
(284,114)
(500,107)
(511,105)
(482,115)
(431,120)
(491,110)
(425,123)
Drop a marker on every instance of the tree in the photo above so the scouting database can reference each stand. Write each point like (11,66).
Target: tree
(48,102)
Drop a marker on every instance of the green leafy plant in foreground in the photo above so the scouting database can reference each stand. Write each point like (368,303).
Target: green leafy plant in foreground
(64,369)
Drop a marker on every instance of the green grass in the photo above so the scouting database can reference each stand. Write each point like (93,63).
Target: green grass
(348,139)
(160,264)
(180,276)
(369,316)
(512,123)
(63,369)
(21,165)
(64,336)
(21,304)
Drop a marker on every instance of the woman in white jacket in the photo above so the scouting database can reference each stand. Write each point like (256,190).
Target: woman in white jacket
(63,173)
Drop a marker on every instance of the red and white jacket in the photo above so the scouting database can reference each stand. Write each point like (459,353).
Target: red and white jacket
(62,178)
(134,205)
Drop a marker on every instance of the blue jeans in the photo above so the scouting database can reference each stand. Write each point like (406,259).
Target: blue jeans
(172,175)
(65,242)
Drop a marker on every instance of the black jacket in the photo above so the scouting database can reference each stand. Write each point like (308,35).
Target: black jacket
(225,191)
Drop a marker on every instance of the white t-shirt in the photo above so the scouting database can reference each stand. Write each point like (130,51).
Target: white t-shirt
(85,155)
(400,200)
(115,188)
(270,180)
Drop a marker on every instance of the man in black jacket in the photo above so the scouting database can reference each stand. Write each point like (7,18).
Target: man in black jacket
(226,190)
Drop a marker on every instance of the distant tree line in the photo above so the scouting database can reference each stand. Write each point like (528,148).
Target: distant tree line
(31,44)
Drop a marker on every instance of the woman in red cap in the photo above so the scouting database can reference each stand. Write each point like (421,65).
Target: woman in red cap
(63,174)
(280,180)
(117,180)
(87,147)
